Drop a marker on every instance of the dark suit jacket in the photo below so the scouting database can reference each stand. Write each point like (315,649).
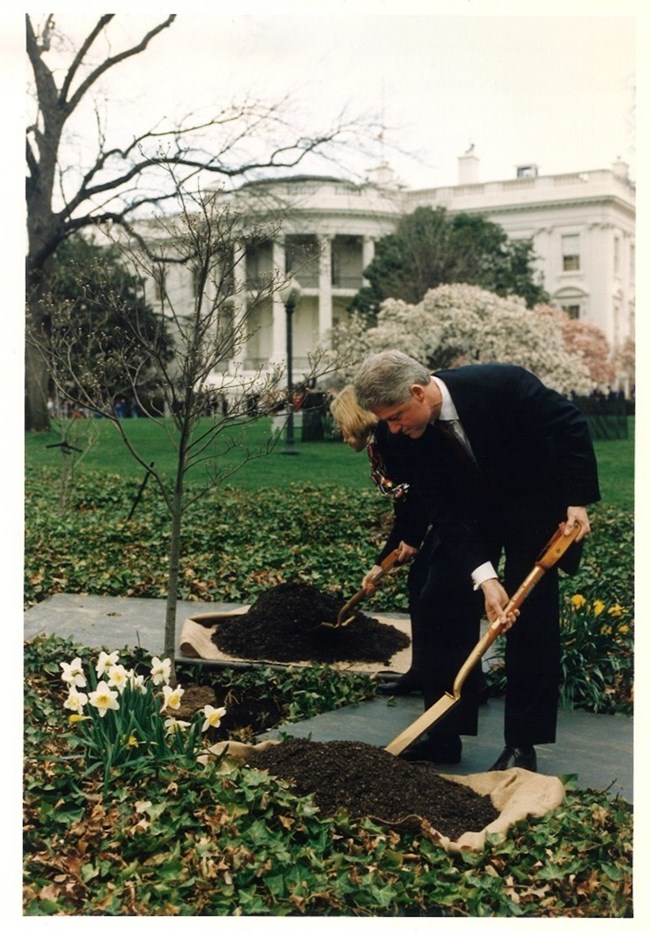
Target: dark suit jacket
(534,453)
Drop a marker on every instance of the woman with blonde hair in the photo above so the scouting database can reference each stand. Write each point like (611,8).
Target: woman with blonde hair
(361,430)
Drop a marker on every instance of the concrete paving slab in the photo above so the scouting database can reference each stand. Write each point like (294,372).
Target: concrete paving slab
(110,621)
(598,748)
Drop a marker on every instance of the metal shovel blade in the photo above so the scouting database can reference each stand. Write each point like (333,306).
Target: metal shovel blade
(344,617)
(435,713)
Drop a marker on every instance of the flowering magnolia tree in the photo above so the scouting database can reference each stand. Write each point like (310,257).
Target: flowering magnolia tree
(625,359)
(120,717)
(587,341)
(463,324)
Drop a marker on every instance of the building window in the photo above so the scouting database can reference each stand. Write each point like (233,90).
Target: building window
(527,171)
(572,311)
(571,253)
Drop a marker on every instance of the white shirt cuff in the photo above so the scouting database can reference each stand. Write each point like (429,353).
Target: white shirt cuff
(483,572)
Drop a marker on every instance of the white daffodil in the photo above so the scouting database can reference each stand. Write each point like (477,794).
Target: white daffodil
(73,673)
(172,697)
(212,716)
(137,681)
(172,725)
(106,661)
(76,700)
(161,670)
(103,698)
(118,676)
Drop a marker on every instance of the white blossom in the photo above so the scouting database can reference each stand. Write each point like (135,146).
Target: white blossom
(103,698)
(172,697)
(212,716)
(106,661)
(73,673)
(75,701)
(161,670)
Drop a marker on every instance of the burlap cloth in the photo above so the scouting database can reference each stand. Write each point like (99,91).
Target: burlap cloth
(196,641)
(516,794)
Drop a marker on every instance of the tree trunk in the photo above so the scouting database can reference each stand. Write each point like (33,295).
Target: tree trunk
(36,388)
(173,576)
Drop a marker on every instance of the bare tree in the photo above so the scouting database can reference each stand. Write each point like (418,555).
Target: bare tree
(207,239)
(122,182)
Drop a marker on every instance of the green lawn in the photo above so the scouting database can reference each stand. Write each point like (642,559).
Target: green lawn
(317,463)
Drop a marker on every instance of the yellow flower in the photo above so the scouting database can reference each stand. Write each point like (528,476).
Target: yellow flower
(598,607)
(616,610)
(578,600)
(212,716)
(172,698)
(76,717)
(132,741)
(624,629)
(103,698)
(118,676)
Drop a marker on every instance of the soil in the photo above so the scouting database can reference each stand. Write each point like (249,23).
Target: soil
(246,714)
(367,781)
(285,624)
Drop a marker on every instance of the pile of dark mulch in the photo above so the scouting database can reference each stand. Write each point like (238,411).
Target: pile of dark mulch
(285,624)
(367,781)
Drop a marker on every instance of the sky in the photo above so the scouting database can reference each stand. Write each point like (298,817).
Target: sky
(554,89)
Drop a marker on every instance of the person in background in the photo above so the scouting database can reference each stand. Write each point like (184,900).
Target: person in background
(514,460)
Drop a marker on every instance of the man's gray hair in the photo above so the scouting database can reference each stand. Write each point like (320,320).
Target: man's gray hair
(385,379)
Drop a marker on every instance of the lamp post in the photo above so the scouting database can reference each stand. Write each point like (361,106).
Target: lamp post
(290,294)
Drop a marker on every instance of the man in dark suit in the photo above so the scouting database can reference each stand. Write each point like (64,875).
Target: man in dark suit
(499,460)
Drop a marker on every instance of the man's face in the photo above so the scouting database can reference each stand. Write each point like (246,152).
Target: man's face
(411,417)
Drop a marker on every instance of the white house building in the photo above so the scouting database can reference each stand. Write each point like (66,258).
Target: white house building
(582,226)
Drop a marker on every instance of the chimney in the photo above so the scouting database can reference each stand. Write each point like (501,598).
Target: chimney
(382,175)
(620,168)
(468,167)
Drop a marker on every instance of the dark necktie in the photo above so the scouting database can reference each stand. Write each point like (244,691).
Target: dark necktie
(461,448)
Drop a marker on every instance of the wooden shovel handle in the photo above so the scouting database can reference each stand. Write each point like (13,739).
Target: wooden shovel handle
(385,566)
(556,547)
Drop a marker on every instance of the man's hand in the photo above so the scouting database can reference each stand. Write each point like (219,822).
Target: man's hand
(496,599)
(576,515)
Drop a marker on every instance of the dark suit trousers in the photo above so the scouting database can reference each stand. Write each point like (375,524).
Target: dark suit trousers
(445,613)
(533,648)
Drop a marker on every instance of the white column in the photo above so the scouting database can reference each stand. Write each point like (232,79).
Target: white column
(324,288)
(367,253)
(239,306)
(279,325)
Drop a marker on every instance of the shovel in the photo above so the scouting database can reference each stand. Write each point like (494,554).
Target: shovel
(554,549)
(342,619)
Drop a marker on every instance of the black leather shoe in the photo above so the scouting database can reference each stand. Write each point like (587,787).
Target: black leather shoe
(516,757)
(404,686)
(444,749)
